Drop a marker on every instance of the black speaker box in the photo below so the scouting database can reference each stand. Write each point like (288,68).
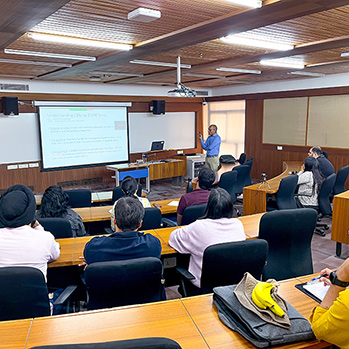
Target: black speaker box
(159,107)
(9,105)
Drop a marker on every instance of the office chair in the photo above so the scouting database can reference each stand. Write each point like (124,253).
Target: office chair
(289,234)
(192,213)
(225,264)
(242,158)
(242,178)
(24,294)
(125,282)
(152,219)
(325,208)
(341,178)
(227,182)
(79,198)
(285,195)
(59,227)
(138,343)
(118,193)
(189,186)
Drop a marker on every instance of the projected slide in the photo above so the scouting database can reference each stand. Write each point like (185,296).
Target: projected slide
(75,136)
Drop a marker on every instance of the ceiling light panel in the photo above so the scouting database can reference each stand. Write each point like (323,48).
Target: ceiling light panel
(282,63)
(19,61)
(244,41)
(248,3)
(115,74)
(305,73)
(49,54)
(161,64)
(236,70)
(78,41)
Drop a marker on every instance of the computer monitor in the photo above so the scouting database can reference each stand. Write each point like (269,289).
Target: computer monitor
(157,145)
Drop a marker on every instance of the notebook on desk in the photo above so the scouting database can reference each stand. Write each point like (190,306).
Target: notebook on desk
(317,291)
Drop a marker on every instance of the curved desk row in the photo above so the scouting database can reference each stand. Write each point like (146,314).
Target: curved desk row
(73,248)
(192,322)
(255,196)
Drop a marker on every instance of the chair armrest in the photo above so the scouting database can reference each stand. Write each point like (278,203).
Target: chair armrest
(168,223)
(108,231)
(65,295)
(185,273)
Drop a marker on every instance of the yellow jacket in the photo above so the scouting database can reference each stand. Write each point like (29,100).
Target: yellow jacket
(332,325)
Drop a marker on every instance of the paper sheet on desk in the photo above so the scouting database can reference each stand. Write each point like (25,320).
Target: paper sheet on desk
(173,203)
(319,289)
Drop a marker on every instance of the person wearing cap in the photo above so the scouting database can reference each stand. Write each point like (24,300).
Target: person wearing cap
(23,241)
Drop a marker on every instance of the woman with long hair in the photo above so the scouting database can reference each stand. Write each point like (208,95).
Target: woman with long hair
(54,203)
(216,226)
(309,183)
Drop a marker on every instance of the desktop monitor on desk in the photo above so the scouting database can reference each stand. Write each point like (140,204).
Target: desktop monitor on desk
(157,145)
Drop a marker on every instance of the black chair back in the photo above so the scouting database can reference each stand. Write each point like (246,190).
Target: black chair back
(79,198)
(226,263)
(289,234)
(227,182)
(189,186)
(138,343)
(242,158)
(192,213)
(242,178)
(341,178)
(23,293)
(285,194)
(152,218)
(126,282)
(324,195)
(118,193)
(59,227)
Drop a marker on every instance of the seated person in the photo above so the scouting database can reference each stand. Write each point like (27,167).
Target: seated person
(325,165)
(309,183)
(217,226)
(126,242)
(23,241)
(129,186)
(199,196)
(330,320)
(54,204)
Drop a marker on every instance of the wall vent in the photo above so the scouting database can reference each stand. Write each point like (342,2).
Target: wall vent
(14,87)
(202,93)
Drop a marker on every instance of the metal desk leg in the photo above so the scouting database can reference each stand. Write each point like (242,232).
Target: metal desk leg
(338,249)
(117,182)
(147,184)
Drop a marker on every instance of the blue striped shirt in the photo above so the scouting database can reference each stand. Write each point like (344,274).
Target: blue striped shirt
(212,145)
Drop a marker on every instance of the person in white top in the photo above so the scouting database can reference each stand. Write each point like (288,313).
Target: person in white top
(309,183)
(216,226)
(23,241)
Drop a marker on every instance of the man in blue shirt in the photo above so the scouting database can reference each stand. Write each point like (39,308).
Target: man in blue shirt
(212,145)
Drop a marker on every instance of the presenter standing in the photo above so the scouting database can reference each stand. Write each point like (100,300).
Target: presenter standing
(212,145)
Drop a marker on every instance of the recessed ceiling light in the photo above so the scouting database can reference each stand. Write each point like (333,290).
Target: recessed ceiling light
(77,41)
(142,14)
(161,64)
(205,76)
(49,54)
(248,3)
(306,73)
(95,78)
(236,70)
(282,63)
(116,74)
(239,40)
(345,54)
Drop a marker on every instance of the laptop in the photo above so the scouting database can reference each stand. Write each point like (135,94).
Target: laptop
(157,145)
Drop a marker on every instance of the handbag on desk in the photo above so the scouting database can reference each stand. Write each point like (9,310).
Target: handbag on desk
(254,328)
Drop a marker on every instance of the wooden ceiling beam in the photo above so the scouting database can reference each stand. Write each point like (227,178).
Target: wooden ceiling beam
(19,16)
(270,14)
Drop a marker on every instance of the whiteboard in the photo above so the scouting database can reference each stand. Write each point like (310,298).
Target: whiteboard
(176,129)
(20,135)
(19,138)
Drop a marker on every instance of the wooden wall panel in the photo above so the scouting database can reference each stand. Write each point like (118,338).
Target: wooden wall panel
(39,181)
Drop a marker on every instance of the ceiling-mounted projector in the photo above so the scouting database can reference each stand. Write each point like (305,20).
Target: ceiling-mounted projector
(142,14)
(181,90)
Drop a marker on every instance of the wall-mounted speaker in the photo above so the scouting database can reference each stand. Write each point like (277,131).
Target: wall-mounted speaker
(9,105)
(158,107)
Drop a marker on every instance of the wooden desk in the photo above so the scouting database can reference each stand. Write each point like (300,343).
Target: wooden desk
(164,319)
(255,198)
(14,334)
(101,213)
(217,335)
(340,221)
(192,322)
(73,248)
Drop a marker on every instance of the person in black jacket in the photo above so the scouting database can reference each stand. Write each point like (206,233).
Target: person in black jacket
(325,165)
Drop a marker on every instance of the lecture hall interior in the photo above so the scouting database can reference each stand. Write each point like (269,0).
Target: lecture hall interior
(271,74)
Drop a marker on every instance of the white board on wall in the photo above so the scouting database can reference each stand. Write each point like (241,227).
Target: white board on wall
(19,138)
(176,129)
